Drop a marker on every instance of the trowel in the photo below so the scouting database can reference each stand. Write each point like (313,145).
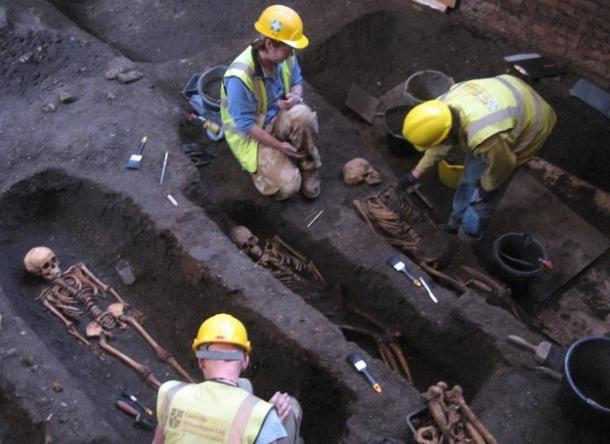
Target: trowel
(362,103)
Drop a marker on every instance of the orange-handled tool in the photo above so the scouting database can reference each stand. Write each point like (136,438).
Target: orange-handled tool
(356,360)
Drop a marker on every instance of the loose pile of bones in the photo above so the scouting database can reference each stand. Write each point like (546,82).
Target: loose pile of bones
(388,347)
(73,294)
(452,420)
(285,263)
(392,214)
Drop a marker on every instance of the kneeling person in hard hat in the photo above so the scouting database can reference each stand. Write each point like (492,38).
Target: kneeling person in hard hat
(269,129)
(500,122)
(223,409)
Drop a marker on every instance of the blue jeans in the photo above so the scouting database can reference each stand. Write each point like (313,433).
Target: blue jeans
(470,213)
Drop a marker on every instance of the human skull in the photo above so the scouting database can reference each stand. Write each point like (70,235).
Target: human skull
(246,241)
(41,261)
(359,169)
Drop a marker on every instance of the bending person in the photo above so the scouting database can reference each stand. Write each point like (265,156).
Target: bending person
(500,122)
(222,408)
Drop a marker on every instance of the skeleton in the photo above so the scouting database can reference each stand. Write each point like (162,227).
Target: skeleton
(285,263)
(357,170)
(452,420)
(391,214)
(388,348)
(73,294)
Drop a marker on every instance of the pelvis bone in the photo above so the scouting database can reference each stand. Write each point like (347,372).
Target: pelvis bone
(74,293)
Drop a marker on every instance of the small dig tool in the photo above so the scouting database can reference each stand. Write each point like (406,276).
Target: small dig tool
(397,264)
(206,123)
(138,420)
(546,353)
(135,160)
(356,360)
(132,398)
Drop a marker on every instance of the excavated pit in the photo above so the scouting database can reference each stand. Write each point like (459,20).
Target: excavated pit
(433,353)
(379,58)
(82,222)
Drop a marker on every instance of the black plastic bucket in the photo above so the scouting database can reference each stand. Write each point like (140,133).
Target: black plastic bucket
(585,391)
(426,85)
(397,144)
(520,256)
(208,86)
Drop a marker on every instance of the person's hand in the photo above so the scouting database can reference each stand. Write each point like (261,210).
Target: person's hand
(290,100)
(290,150)
(281,401)
(408,180)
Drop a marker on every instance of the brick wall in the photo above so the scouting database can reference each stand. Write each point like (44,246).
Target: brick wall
(575,30)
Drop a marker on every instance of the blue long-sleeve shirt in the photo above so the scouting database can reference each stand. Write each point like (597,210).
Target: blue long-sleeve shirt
(243,106)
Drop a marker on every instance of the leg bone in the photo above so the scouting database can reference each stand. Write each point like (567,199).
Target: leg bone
(162,354)
(456,397)
(95,330)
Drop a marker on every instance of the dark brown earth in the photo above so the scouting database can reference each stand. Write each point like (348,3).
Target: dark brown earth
(63,183)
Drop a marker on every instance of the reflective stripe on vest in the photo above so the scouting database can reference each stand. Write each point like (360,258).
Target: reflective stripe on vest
(491,106)
(210,412)
(242,145)
(537,123)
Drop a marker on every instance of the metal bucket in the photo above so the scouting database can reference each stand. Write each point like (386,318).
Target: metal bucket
(585,391)
(426,85)
(397,144)
(520,256)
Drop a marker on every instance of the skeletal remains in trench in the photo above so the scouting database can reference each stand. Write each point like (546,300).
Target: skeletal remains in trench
(452,420)
(392,214)
(73,294)
(285,263)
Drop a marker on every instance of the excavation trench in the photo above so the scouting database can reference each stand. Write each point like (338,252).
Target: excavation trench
(366,300)
(82,222)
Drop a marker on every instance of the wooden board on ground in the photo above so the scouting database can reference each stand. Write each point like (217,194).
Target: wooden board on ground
(572,242)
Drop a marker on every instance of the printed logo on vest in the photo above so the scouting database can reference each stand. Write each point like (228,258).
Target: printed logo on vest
(174,417)
(493,105)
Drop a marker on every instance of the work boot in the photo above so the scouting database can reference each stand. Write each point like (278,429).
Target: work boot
(310,184)
(469,238)
(447,228)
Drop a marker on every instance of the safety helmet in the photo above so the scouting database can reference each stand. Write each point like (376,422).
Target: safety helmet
(427,124)
(279,22)
(222,328)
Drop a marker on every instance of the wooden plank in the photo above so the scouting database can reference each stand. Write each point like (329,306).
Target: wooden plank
(572,243)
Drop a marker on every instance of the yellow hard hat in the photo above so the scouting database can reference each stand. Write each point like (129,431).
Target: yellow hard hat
(222,328)
(427,124)
(279,22)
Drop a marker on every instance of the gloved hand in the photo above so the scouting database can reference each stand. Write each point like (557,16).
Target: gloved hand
(484,196)
(408,180)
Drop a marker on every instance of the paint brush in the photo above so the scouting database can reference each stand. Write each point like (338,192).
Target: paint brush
(135,160)
(397,264)
(356,360)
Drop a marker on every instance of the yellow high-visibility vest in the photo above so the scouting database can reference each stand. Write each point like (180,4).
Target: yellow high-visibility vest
(242,145)
(503,103)
(209,412)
